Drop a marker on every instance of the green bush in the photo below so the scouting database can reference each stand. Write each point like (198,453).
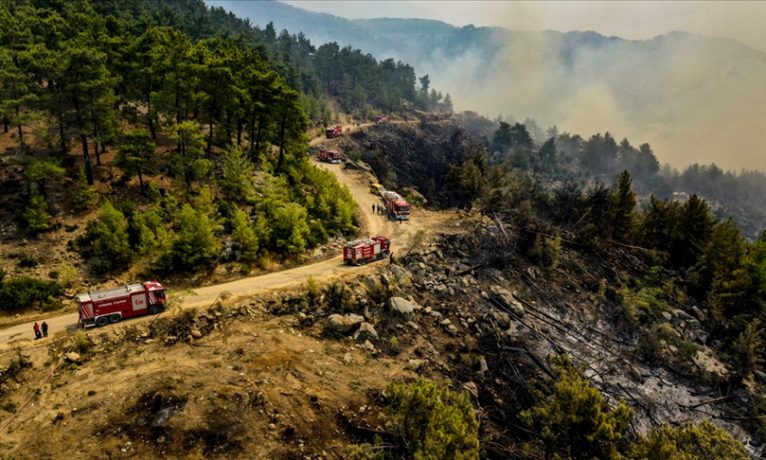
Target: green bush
(431,422)
(106,240)
(574,421)
(83,195)
(36,215)
(688,442)
(25,292)
(336,296)
(195,245)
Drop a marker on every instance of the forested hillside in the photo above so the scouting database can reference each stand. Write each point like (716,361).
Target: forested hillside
(164,137)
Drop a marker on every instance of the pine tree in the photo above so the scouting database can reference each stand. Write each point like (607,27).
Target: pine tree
(136,155)
(245,237)
(574,421)
(108,234)
(195,245)
(623,214)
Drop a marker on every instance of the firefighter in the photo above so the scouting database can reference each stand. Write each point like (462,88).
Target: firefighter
(45,329)
(391,258)
(373,208)
(36,327)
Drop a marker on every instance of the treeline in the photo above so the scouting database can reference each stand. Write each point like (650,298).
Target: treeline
(357,81)
(601,157)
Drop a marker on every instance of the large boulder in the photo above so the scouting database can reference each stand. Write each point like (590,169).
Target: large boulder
(506,301)
(342,324)
(402,307)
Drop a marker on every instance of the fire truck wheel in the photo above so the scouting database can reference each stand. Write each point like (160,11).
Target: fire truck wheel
(101,321)
(154,309)
(114,318)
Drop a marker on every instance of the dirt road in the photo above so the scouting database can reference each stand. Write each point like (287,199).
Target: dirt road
(358,184)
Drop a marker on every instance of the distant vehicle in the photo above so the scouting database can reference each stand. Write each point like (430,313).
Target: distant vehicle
(333,131)
(112,305)
(376,188)
(382,119)
(364,251)
(329,156)
(396,206)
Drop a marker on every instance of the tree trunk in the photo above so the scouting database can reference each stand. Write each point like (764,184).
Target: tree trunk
(240,128)
(5,125)
(84,140)
(258,134)
(21,130)
(210,138)
(140,182)
(282,127)
(251,137)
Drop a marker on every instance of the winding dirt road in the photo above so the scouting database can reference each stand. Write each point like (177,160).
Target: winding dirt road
(357,182)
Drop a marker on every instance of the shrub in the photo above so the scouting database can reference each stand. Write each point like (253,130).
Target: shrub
(337,296)
(82,343)
(108,238)
(574,421)
(688,441)
(25,292)
(432,422)
(36,215)
(83,195)
(195,245)
(27,261)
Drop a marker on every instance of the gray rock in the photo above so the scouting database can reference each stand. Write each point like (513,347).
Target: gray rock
(385,280)
(445,322)
(452,329)
(366,333)
(343,324)
(667,315)
(72,357)
(483,367)
(415,364)
(506,301)
(471,388)
(402,307)
(501,318)
(699,314)
(368,346)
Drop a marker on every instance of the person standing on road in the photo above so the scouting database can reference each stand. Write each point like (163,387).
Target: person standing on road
(373,208)
(391,258)
(36,327)
(45,329)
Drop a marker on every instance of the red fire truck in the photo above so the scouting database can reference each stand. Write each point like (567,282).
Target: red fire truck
(396,206)
(329,156)
(333,131)
(381,119)
(111,305)
(360,252)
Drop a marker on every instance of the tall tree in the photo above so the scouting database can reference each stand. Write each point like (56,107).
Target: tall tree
(136,155)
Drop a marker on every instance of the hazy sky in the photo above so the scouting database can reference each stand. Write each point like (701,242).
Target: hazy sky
(743,21)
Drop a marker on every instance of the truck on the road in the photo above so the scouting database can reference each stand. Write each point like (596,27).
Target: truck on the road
(112,305)
(382,119)
(329,156)
(333,131)
(367,250)
(396,206)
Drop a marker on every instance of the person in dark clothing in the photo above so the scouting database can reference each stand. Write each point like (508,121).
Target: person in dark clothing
(45,329)
(373,208)
(36,327)
(391,258)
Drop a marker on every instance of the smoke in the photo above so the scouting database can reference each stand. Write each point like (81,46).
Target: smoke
(694,99)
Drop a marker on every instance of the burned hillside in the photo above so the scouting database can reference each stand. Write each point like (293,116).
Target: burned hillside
(420,157)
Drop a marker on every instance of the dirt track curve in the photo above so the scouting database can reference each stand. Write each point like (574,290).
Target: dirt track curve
(357,182)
